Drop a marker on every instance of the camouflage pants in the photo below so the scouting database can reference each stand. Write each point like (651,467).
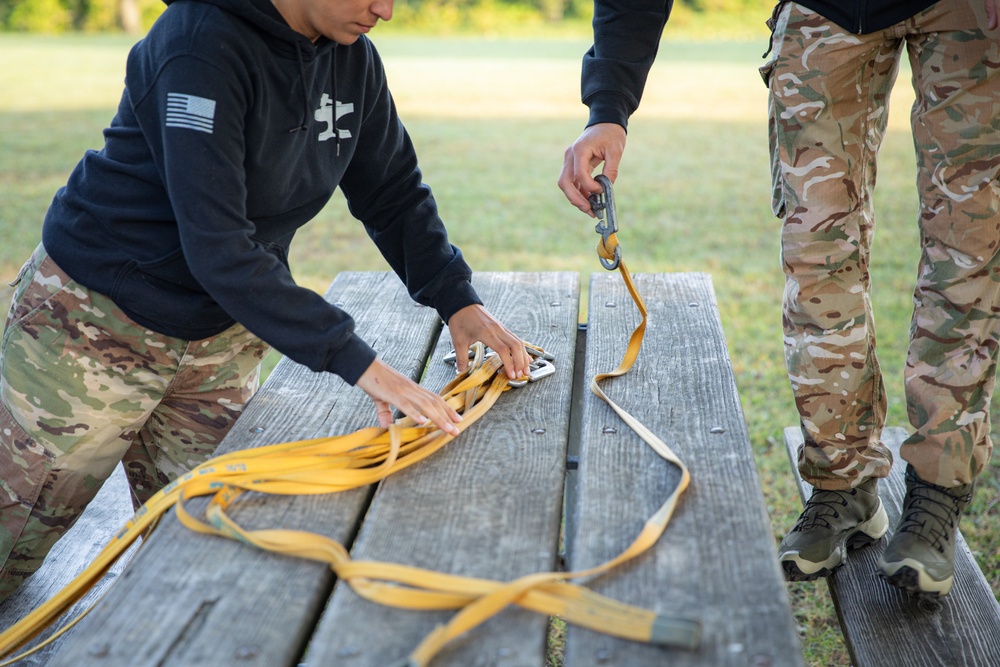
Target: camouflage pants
(84,387)
(829,91)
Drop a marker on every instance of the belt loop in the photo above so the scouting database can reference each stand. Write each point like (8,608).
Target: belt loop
(770,23)
(20,274)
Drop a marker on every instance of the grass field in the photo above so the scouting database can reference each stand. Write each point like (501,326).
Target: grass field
(490,119)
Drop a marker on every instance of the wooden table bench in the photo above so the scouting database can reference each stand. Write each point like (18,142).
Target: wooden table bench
(489,505)
(884,626)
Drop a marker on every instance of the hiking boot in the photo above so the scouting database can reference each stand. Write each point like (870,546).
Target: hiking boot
(831,523)
(920,557)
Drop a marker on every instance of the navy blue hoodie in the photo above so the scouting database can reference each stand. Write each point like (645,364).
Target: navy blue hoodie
(233,131)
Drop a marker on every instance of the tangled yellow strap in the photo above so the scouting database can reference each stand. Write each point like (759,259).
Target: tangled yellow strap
(328,465)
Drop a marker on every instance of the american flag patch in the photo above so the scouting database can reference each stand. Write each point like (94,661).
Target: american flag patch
(191,112)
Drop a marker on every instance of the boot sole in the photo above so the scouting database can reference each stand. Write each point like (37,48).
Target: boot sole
(910,576)
(868,532)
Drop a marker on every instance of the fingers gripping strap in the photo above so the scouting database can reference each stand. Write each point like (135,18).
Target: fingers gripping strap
(328,465)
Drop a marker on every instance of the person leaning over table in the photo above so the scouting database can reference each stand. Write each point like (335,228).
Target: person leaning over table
(138,325)
(831,68)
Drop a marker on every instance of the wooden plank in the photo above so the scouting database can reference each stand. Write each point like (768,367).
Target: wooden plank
(488,505)
(111,508)
(717,560)
(884,626)
(190,599)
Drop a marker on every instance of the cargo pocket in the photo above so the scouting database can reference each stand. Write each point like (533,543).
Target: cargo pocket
(25,465)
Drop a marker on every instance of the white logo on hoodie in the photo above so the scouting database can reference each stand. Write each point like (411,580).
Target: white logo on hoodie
(325,115)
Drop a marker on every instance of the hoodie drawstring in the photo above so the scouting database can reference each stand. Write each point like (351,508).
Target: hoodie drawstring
(333,84)
(305,95)
(305,92)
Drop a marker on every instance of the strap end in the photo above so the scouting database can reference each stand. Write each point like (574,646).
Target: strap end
(676,631)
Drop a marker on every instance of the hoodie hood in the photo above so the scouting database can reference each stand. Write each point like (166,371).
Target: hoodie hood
(265,16)
(284,42)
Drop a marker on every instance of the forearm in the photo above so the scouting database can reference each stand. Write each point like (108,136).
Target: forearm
(626,39)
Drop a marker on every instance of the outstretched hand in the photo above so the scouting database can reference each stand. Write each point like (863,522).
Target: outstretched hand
(387,386)
(473,323)
(604,142)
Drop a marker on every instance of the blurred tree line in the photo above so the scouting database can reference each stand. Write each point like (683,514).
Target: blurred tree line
(57,16)
(135,16)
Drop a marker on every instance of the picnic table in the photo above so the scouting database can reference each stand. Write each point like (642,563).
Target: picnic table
(550,479)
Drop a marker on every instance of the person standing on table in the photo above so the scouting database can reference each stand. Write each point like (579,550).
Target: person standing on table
(138,325)
(831,68)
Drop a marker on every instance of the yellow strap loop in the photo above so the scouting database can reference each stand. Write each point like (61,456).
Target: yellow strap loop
(606,247)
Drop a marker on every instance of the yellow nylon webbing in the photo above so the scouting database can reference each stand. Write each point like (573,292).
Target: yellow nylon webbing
(327,465)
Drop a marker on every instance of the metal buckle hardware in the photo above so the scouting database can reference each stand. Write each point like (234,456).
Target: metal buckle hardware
(539,353)
(540,368)
(535,352)
(601,203)
(452,356)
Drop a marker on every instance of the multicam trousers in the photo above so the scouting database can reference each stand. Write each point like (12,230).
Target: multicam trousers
(84,387)
(829,91)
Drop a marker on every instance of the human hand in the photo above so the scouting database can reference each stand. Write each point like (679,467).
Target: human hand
(604,142)
(473,323)
(992,14)
(387,386)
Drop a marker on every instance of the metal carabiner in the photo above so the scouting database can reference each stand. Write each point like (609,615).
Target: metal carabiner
(601,203)
(537,352)
(533,350)
(540,368)
(452,357)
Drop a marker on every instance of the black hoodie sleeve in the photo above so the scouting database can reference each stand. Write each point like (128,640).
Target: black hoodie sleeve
(203,172)
(626,38)
(384,190)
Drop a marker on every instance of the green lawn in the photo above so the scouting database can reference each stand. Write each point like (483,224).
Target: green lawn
(490,120)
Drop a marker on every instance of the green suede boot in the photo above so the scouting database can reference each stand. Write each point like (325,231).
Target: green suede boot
(831,523)
(920,557)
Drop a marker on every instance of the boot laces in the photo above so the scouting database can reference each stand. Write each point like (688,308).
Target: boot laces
(820,508)
(931,514)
